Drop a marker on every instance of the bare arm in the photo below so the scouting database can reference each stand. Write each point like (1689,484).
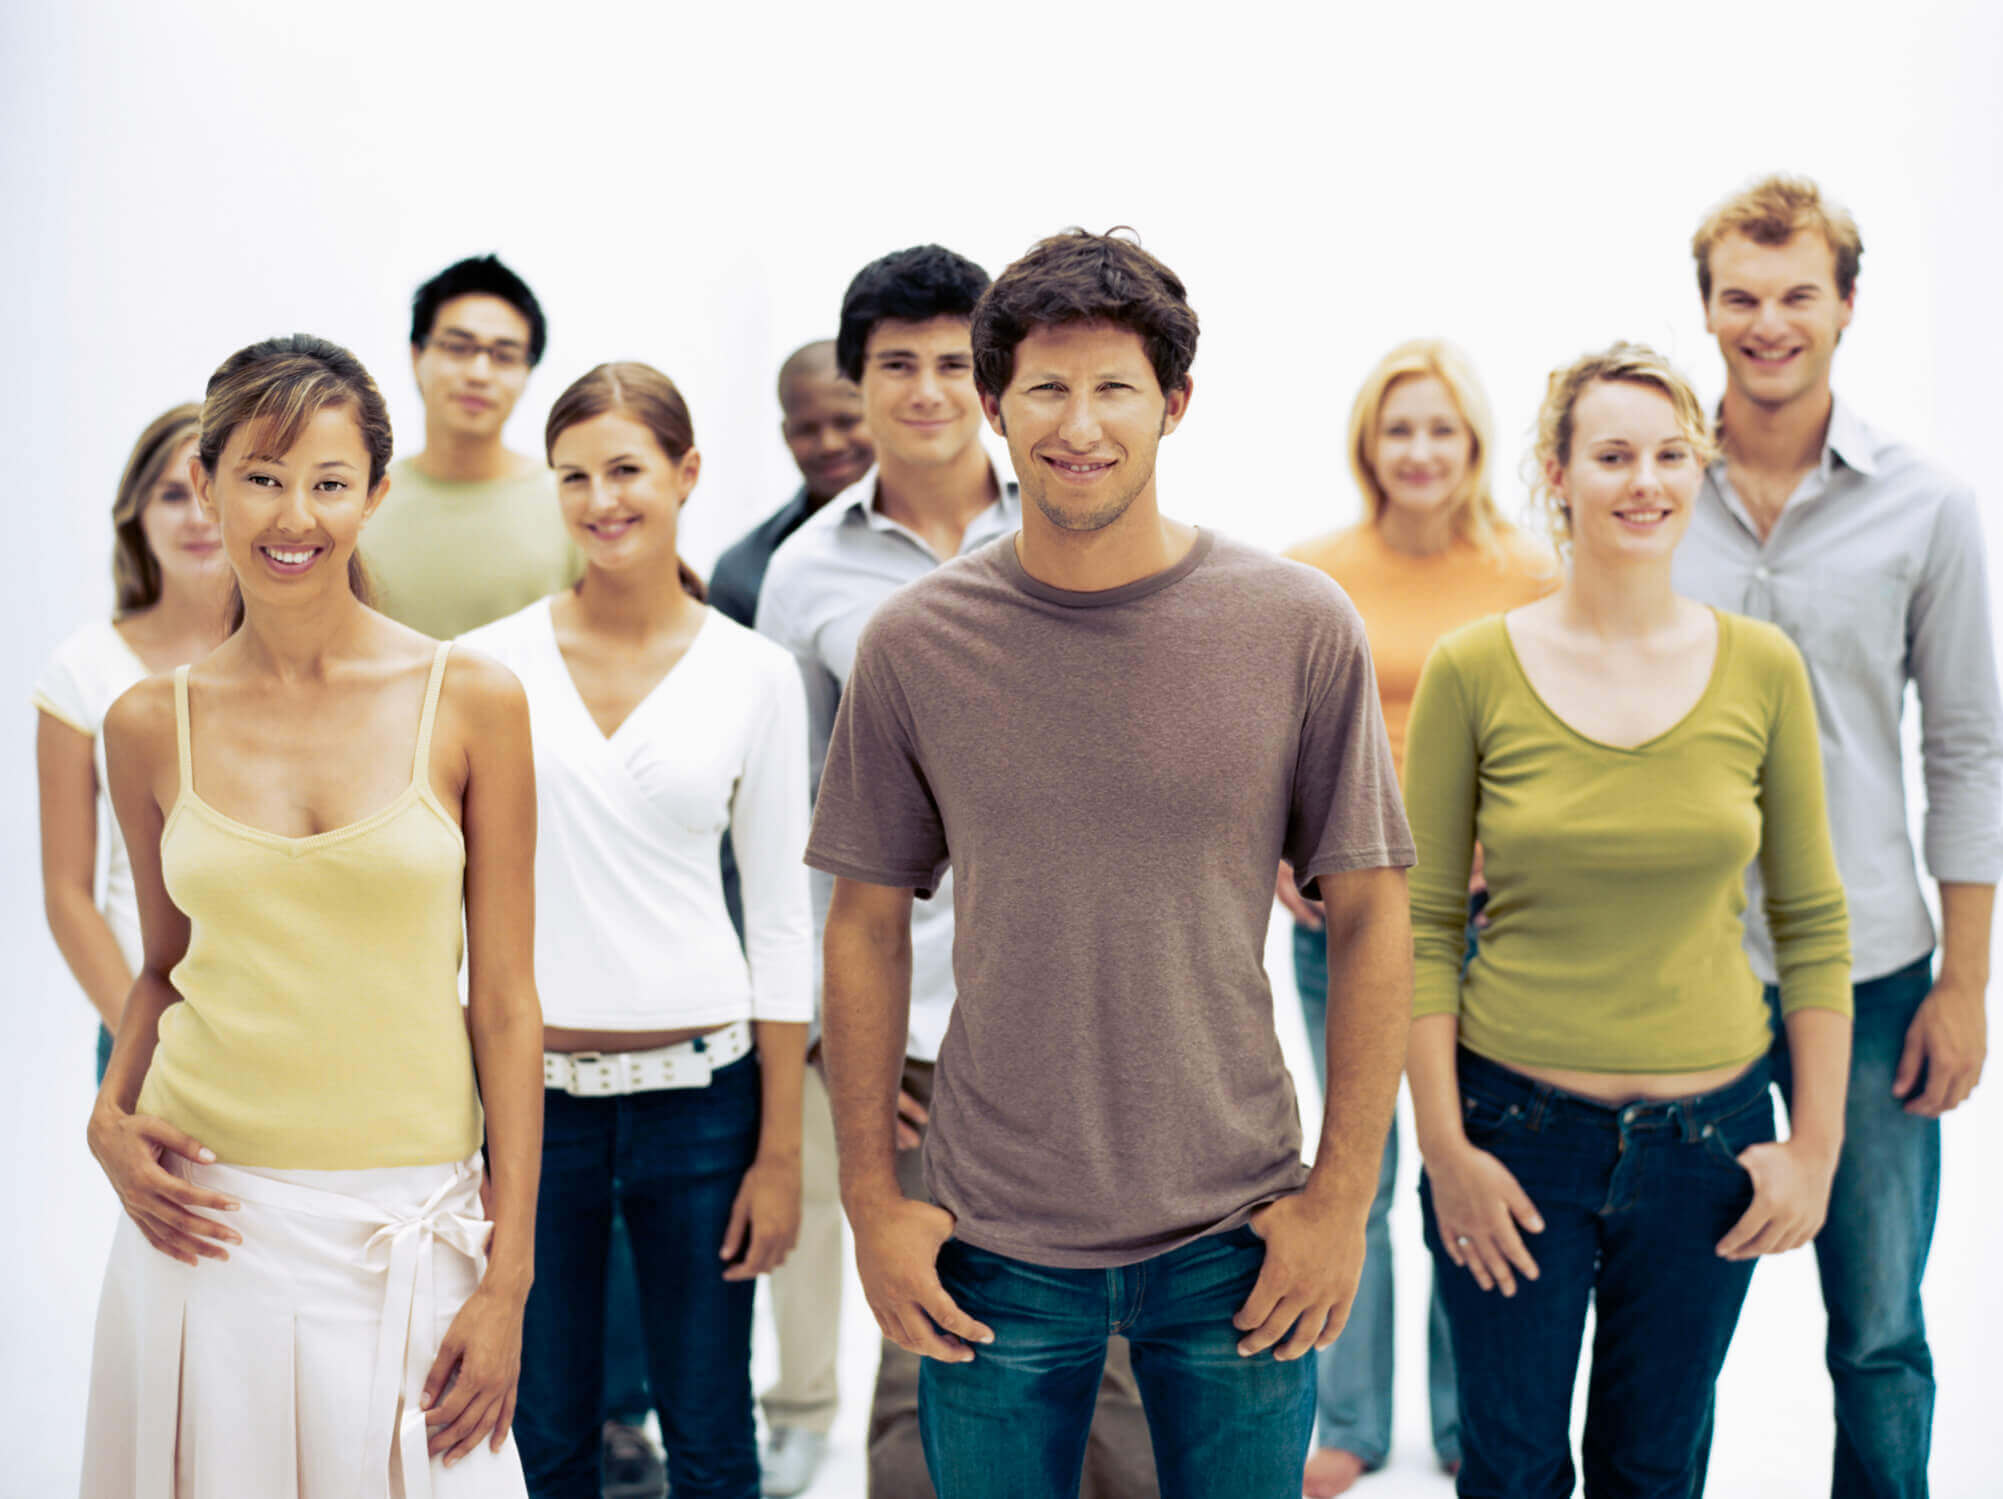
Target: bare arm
(470,1391)
(1948,1040)
(1314,1241)
(139,745)
(866,1015)
(765,1217)
(67,779)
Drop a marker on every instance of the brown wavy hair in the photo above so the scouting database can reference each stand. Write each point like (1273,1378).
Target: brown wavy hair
(284,383)
(649,398)
(135,571)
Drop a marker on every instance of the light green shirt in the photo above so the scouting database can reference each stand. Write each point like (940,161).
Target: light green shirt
(1616,877)
(448,557)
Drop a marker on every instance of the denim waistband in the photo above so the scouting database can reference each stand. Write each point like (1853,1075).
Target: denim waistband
(1538,1102)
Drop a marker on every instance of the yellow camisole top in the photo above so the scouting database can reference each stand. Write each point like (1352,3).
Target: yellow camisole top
(319,1026)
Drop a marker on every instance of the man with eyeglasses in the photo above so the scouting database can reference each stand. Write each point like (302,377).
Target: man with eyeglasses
(470,531)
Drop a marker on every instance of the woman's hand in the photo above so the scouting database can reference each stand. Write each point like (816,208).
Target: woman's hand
(765,1218)
(1479,1208)
(1791,1181)
(470,1391)
(131,1149)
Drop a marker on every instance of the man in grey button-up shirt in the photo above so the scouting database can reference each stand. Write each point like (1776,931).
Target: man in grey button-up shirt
(1872,560)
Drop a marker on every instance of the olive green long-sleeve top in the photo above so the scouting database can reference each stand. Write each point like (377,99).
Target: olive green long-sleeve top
(1615,940)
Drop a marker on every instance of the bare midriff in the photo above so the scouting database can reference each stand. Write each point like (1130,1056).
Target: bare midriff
(564,1038)
(1618,1088)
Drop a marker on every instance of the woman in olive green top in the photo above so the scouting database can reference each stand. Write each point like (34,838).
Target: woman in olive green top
(1598,1080)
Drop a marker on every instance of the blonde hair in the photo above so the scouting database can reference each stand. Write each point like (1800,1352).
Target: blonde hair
(1772,211)
(1619,364)
(1474,514)
(135,571)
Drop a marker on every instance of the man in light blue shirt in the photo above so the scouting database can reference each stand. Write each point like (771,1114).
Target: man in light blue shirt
(1872,560)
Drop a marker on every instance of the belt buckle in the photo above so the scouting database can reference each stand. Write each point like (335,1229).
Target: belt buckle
(591,1078)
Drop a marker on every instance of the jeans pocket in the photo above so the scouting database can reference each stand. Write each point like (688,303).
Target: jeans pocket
(1752,1123)
(1484,1118)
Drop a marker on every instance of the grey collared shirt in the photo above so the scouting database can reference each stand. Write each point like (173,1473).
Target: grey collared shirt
(820,589)
(1876,570)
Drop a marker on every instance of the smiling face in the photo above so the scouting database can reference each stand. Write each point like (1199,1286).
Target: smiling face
(825,430)
(472,367)
(1423,446)
(621,495)
(290,521)
(184,541)
(1083,415)
(1632,474)
(1776,314)
(918,391)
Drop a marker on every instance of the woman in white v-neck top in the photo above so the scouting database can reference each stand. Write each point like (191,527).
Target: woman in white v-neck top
(170,578)
(674,1056)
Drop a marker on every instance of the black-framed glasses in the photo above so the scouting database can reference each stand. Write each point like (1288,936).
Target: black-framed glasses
(463,350)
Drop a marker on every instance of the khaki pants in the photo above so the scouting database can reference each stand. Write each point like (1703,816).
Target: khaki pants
(807,1289)
(1119,1459)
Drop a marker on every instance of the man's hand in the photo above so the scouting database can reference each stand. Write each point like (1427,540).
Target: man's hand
(1946,1043)
(1790,1199)
(1307,912)
(897,1245)
(1307,1283)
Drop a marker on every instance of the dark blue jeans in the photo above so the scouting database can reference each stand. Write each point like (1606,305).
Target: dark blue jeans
(104,1039)
(1634,1201)
(674,1159)
(1872,1251)
(1012,1423)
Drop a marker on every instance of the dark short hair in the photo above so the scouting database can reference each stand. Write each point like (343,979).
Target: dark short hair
(1077,277)
(912,286)
(479,275)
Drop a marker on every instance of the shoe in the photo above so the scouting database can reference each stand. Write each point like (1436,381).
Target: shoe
(792,1455)
(633,1469)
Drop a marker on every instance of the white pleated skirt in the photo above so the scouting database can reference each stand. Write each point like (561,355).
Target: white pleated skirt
(294,1369)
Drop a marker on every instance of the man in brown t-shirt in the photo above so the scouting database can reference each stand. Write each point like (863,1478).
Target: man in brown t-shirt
(1111,726)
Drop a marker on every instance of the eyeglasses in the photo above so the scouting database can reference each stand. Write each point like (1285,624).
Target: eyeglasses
(462,350)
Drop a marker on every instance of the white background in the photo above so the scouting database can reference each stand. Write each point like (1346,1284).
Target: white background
(694,188)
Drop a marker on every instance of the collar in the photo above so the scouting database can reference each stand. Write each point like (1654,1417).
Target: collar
(1849,441)
(856,505)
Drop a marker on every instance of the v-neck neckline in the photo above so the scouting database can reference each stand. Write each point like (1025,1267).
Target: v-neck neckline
(654,691)
(1654,741)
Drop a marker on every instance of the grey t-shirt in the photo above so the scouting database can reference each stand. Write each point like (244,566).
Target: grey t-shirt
(1113,778)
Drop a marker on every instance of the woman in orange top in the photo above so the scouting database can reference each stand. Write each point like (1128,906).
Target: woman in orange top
(1431,554)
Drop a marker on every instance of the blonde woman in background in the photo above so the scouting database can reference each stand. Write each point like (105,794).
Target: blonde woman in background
(1592,1090)
(168,570)
(1431,554)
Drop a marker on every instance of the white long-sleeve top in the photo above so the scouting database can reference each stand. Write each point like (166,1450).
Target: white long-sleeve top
(631,929)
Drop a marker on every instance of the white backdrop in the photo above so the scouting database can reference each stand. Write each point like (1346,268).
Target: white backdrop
(695,189)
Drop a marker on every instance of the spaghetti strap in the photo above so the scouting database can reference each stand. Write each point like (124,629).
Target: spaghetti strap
(181,745)
(420,769)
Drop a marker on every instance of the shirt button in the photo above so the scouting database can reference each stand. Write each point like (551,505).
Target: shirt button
(1762,573)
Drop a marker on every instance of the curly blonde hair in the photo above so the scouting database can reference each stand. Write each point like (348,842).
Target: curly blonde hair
(1619,363)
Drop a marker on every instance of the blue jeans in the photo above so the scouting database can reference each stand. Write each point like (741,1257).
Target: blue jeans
(1634,1201)
(674,1160)
(1354,1398)
(626,1397)
(1012,1423)
(104,1039)
(1872,1251)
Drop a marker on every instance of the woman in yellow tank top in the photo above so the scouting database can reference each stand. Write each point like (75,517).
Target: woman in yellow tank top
(308,1295)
